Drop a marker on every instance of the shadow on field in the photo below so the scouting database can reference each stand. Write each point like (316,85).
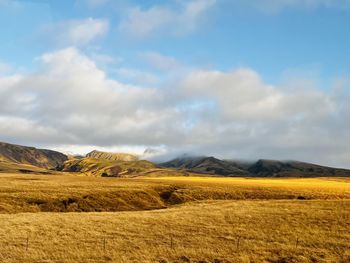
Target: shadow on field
(138,200)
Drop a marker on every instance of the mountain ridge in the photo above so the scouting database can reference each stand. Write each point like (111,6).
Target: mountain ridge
(42,158)
(27,159)
(107,168)
(260,168)
(126,157)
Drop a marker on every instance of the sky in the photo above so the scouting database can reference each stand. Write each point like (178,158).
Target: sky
(235,79)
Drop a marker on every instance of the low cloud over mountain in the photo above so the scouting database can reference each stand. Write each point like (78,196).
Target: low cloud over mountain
(71,101)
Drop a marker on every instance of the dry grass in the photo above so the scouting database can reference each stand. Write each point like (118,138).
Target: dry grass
(267,232)
(10,167)
(64,193)
(37,193)
(261,188)
(206,220)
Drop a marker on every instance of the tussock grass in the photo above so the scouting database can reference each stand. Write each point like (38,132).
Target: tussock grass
(205,220)
(268,231)
(64,193)
(202,188)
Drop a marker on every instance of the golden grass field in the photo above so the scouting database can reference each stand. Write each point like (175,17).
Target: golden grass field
(173,219)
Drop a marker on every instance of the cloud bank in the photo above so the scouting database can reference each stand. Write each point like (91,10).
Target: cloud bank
(234,114)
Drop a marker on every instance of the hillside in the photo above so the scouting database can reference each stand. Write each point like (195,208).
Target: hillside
(261,168)
(206,165)
(107,168)
(11,167)
(24,159)
(271,168)
(16,154)
(112,156)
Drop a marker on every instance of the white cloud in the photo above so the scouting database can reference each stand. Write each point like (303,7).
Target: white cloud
(137,76)
(242,95)
(257,119)
(74,99)
(78,32)
(177,19)
(234,114)
(143,22)
(24,130)
(160,62)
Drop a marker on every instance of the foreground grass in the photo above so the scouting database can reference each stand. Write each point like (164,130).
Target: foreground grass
(206,231)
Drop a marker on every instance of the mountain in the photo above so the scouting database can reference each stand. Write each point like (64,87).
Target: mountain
(112,156)
(16,158)
(261,168)
(206,165)
(107,168)
(105,164)
(16,154)
(272,168)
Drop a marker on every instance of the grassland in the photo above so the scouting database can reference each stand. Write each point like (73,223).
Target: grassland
(173,219)
(11,167)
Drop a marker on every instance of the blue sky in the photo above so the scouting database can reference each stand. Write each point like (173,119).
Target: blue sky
(228,36)
(230,74)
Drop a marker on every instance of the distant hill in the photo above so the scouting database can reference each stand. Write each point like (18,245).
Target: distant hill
(107,168)
(206,165)
(261,168)
(16,154)
(272,168)
(23,159)
(112,156)
(105,164)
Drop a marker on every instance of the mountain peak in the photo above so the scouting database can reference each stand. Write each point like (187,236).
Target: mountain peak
(112,156)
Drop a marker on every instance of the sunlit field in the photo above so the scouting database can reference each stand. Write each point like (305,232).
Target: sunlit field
(174,131)
(216,231)
(173,219)
(66,193)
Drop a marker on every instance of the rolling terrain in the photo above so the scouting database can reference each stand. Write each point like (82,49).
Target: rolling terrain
(260,168)
(66,193)
(107,207)
(96,163)
(206,165)
(112,156)
(173,219)
(16,154)
(107,168)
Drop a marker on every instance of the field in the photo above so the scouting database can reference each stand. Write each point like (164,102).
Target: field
(173,219)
